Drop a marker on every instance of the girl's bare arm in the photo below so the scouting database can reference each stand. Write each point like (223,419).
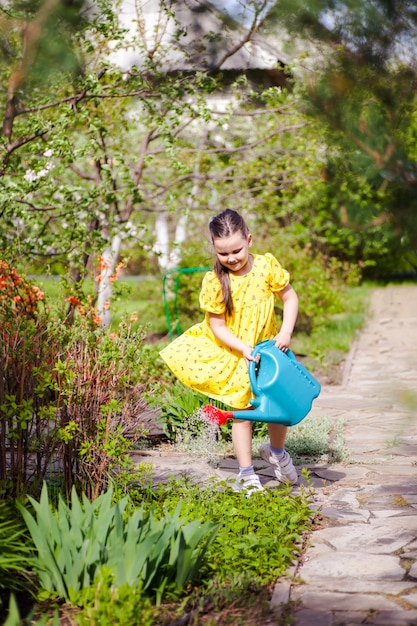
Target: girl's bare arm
(289,299)
(220,330)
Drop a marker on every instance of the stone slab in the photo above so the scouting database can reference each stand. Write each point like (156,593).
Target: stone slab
(327,565)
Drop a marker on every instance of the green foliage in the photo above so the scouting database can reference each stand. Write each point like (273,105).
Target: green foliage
(360,96)
(81,544)
(257,538)
(14,618)
(179,405)
(178,402)
(182,305)
(96,148)
(70,393)
(107,605)
(317,440)
(15,551)
(321,285)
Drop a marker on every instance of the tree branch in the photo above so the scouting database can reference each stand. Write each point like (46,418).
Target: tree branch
(247,37)
(31,37)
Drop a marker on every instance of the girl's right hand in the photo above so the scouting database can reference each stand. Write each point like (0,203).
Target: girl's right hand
(247,354)
(220,330)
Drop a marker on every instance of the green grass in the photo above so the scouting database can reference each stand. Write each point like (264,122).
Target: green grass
(140,296)
(328,345)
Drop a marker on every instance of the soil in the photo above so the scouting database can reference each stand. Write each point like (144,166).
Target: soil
(251,610)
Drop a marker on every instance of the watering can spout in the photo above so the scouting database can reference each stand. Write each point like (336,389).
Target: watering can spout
(284,389)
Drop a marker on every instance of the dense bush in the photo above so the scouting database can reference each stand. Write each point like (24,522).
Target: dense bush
(70,397)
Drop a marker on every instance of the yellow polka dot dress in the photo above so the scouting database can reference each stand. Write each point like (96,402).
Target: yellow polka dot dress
(200,360)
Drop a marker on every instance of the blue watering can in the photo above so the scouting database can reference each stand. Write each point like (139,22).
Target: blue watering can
(284,389)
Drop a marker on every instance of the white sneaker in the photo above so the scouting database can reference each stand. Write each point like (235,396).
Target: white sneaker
(249,483)
(283,467)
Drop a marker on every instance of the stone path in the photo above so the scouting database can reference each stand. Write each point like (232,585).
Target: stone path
(360,565)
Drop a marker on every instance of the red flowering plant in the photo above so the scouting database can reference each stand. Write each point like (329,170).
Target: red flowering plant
(71,400)
(24,351)
(102,401)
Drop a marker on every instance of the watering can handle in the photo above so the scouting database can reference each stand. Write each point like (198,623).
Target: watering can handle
(253,366)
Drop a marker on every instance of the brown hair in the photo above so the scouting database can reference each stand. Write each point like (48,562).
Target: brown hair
(223,225)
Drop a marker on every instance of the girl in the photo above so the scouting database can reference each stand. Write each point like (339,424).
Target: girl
(238,299)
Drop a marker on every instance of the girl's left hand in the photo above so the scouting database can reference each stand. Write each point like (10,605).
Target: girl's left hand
(282,340)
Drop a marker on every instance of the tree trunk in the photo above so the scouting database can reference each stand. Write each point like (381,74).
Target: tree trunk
(109,260)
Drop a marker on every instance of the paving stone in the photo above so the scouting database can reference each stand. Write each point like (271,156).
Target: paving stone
(409,554)
(348,618)
(393,618)
(309,617)
(385,513)
(377,537)
(325,567)
(411,598)
(317,600)
(345,515)
(392,589)
(413,571)
(372,503)
(281,593)
(331,474)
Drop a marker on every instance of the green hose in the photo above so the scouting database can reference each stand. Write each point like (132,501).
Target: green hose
(180,272)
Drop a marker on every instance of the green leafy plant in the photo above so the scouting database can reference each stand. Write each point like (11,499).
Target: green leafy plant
(15,551)
(317,440)
(107,605)
(257,537)
(79,544)
(180,407)
(176,404)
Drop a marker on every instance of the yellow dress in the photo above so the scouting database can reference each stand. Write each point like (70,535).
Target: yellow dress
(200,361)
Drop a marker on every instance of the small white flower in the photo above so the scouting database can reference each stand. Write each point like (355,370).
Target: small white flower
(48,153)
(19,224)
(30,176)
(130,229)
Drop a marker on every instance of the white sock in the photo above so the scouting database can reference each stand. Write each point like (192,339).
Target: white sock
(246,471)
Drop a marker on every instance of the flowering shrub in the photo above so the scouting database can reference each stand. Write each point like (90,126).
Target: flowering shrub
(24,350)
(17,292)
(70,396)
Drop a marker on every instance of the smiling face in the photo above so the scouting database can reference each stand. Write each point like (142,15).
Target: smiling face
(233,252)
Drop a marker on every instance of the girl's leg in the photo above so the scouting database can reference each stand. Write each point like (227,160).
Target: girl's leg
(277,456)
(277,435)
(247,480)
(242,441)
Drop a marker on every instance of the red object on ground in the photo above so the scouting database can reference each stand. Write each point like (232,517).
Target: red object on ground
(218,416)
